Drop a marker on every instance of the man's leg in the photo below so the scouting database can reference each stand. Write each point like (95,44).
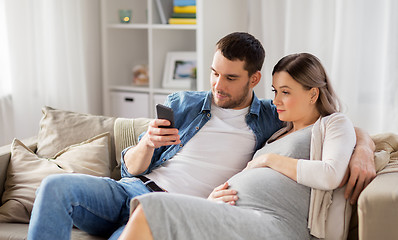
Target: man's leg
(93,204)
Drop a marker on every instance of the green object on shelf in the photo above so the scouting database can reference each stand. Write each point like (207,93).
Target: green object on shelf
(125,15)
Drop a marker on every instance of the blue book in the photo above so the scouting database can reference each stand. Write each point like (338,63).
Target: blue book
(184,3)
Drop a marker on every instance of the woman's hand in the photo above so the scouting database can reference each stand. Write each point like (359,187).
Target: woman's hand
(258,162)
(223,194)
(282,164)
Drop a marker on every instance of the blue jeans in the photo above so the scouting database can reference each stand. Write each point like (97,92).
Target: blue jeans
(96,205)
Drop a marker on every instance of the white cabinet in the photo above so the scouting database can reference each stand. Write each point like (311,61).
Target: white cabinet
(144,40)
(129,104)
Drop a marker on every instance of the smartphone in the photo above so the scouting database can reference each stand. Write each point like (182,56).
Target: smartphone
(164,112)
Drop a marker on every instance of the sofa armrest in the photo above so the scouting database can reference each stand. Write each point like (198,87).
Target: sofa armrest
(378,208)
(5,155)
(127,131)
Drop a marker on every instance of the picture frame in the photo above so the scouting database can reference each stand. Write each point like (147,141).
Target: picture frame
(179,70)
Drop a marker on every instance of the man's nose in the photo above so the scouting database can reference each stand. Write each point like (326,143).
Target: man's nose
(219,83)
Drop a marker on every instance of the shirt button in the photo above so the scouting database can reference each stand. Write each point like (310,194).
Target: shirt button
(181,145)
(197,128)
(164,159)
(208,114)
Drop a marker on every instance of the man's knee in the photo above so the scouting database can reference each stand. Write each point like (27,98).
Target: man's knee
(56,183)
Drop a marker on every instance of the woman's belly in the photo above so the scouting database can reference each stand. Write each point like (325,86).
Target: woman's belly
(270,191)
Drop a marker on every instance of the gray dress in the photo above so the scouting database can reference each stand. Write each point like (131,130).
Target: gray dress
(270,205)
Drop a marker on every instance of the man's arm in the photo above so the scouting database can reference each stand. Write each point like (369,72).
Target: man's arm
(361,169)
(138,158)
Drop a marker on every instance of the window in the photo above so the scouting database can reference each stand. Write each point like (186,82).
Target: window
(5,76)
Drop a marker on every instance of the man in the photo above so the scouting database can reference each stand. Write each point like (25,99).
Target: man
(216,134)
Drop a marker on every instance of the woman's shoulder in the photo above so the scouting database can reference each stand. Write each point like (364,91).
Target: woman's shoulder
(336,118)
(337,122)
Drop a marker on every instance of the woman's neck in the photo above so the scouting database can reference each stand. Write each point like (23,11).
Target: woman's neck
(312,118)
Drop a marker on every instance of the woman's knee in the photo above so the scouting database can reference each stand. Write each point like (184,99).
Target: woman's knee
(137,227)
(139,213)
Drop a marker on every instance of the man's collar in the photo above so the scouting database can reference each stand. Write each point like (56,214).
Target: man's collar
(207,103)
(255,106)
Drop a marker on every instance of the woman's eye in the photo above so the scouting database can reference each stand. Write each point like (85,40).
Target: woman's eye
(284,92)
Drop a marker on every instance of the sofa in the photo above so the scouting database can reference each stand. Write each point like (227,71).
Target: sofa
(80,143)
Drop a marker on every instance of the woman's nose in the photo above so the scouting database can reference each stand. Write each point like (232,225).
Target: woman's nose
(277,100)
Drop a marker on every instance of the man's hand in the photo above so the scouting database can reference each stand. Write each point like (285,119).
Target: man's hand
(361,169)
(138,158)
(223,194)
(157,136)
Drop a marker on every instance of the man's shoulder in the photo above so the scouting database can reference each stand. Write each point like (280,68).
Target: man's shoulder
(267,106)
(187,101)
(187,95)
(266,102)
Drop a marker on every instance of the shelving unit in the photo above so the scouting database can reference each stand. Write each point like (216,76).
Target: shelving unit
(146,41)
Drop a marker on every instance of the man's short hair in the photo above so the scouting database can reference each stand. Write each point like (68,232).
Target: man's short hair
(245,47)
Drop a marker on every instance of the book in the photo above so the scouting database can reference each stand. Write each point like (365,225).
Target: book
(182,20)
(184,9)
(162,15)
(184,2)
(183,15)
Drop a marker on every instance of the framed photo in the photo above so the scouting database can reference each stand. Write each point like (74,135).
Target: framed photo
(179,70)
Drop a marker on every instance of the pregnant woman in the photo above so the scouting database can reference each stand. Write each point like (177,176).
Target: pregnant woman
(286,190)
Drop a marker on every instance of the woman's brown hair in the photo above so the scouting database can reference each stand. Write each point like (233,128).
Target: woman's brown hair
(307,70)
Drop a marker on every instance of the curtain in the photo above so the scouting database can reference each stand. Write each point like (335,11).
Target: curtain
(6,123)
(357,42)
(53,59)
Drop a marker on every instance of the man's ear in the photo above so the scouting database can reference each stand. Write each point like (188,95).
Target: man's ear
(255,79)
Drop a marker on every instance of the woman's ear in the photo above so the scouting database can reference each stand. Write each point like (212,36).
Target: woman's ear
(314,92)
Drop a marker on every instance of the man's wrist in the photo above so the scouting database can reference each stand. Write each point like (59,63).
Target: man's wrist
(366,149)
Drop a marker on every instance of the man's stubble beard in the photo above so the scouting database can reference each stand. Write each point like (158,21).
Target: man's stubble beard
(233,103)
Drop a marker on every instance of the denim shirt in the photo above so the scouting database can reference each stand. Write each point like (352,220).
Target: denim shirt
(191,113)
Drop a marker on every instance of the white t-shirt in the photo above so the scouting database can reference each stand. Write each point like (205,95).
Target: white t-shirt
(219,150)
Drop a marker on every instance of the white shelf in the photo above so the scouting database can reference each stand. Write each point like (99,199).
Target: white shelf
(126,88)
(144,89)
(154,26)
(145,41)
(166,91)
(128,26)
(174,26)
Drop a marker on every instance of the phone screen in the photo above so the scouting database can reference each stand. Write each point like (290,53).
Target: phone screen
(164,112)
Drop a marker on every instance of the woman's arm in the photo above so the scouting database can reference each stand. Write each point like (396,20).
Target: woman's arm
(333,143)
(338,144)
(285,165)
